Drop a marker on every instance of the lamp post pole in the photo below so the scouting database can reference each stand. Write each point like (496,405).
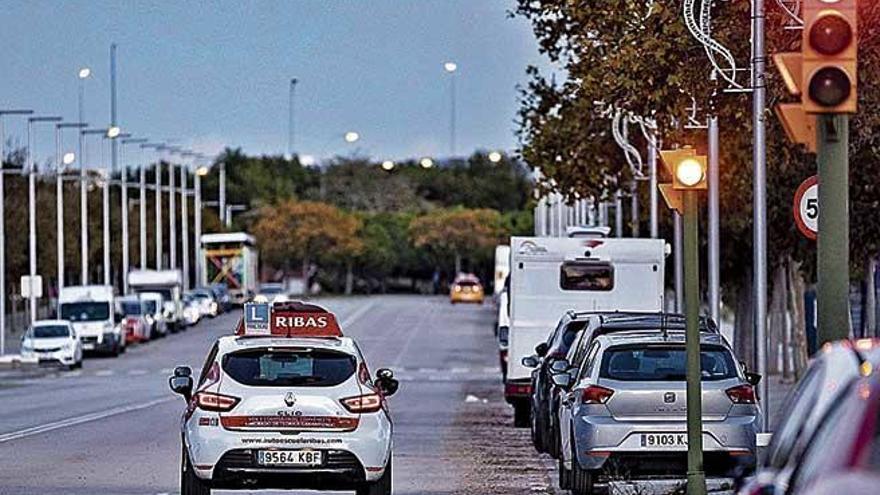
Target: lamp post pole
(61,163)
(32,212)
(696,478)
(291,123)
(3,225)
(451,68)
(197,218)
(172,211)
(84,74)
(126,260)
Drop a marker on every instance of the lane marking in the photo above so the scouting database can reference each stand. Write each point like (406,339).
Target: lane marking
(104,372)
(357,314)
(137,372)
(87,418)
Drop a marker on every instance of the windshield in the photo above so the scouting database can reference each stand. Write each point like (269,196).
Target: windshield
(586,275)
(150,306)
(50,331)
(85,311)
(270,289)
(651,363)
(166,293)
(130,308)
(289,368)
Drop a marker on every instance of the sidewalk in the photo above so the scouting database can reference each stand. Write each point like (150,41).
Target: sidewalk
(778,391)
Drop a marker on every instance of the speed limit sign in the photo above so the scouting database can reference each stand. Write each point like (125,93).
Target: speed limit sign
(806,207)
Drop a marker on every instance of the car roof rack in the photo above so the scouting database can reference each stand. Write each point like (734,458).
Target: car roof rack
(661,321)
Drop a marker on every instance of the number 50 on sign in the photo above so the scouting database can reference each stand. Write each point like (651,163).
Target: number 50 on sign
(806,207)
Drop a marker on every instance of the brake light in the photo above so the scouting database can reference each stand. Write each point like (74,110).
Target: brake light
(742,394)
(595,394)
(363,403)
(209,401)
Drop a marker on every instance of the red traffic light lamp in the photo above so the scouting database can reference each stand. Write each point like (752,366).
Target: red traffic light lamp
(829,48)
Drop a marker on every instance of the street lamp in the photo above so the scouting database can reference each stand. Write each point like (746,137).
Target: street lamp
(290,122)
(105,133)
(201,171)
(31,166)
(495,157)
(62,162)
(84,73)
(158,147)
(688,172)
(3,226)
(123,176)
(388,165)
(351,137)
(426,162)
(451,68)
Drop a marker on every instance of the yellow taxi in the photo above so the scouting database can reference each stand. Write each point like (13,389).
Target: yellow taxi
(466,289)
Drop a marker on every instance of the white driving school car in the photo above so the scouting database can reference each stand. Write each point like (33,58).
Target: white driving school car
(286,403)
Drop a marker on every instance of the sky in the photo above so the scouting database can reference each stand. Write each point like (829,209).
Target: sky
(213,74)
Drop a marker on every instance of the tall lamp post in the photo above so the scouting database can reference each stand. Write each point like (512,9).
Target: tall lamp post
(111,133)
(291,123)
(3,225)
(84,74)
(201,171)
(172,207)
(32,212)
(125,139)
(158,147)
(62,161)
(451,68)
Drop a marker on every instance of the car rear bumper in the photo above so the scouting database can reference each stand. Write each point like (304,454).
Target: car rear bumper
(466,297)
(728,443)
(238,468)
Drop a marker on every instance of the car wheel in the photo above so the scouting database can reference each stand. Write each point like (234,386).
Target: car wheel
(564,476)
(190,484)
(581,479)
(521,415)
(382,486)
(537,434)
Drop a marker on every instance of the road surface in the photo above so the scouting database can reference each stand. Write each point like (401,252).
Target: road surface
(112,427)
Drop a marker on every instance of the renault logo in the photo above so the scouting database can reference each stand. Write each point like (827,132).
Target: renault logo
(669,397)
(290,399)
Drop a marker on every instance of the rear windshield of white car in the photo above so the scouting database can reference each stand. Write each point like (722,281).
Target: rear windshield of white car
(289,367)
(50,331)
(586,275)
(85,311)
(652,363)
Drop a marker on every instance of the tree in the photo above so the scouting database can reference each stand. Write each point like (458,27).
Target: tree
(305,231)
(458,232)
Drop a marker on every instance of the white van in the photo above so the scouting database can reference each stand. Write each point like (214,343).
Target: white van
(551,275)
(91,311)
(502,268)
(168,283)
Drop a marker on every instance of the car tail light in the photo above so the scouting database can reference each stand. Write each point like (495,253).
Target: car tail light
(363,403)
(595,394)
(517,389)
(742,394)
(209,401)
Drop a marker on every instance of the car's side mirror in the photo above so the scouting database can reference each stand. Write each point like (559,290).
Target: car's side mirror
(753,378)
(541,349)
(530,361)
(386,382)
(560,366)
(181,382)
(562,380)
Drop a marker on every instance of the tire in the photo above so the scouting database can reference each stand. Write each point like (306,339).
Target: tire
(522,414)
(581,479)
(382,486)
(564,476)
(537,433)
(190,484)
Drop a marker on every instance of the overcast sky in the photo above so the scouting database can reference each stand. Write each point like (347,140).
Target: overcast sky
(214,74)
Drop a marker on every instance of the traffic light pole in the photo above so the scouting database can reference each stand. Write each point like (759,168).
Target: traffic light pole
(833,239)
(696,477)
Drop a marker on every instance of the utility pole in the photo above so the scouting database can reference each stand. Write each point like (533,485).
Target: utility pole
(714,221)
(652,165)
(84,74)
(184,228)
(172,219)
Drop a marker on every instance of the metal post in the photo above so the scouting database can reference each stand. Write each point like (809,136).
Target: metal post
(159,213)
(678,233)
(833,240)
(291,123)
(452,115)
(123,175)
(172,219)
(222,194)
(83,194)
(652,164)
(759,208)
(142,207)
(105,215)
(634,214)
(32,223)
(197,227)
(618,214)
(714,221)
(696,478)
(184,228)
(59,207)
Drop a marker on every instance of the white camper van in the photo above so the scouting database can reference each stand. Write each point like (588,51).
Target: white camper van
(551,275)
(91,311)
(502,268)
(168,283)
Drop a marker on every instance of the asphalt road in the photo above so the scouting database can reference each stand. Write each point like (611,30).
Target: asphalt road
(113,427)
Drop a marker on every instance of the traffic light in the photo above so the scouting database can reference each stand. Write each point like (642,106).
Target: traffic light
(829,49)
(688,171)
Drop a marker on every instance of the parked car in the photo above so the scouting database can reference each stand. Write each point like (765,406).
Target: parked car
(53,342)
(623,410)
(466,289)
(221,295)
(846,444)
(192,310)
(90,309)
(134,323)
(208,305)
(270,291)
(822,385)
(154,304)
